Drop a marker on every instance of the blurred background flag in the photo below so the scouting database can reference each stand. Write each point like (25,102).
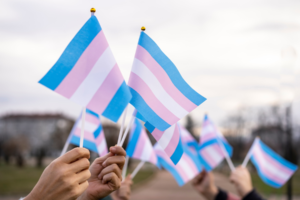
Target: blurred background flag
(139,146)
(169,140)
(94,138)
(272,168)
(159,92)
(185,170)
(210,151)
(87,73)
(188,140)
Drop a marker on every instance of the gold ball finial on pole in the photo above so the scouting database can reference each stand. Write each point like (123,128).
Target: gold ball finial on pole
(93,10)
(143,28)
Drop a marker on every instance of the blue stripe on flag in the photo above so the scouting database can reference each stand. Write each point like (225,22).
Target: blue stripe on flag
(97,131)
(86,143)
(118,103)
(276,157)
(177,153)
(138,102)
(193,157)
(134,139)
(205,164)
(147,43)
(215,141)
(71,54)
(140,117)
(149,127)
(262,176)
(172,170)
(92,113)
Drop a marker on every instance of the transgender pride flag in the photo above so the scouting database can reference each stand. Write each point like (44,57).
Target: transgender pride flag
(188,140)
(87,73)
(272,168)
(159,93)
(139,146)
(94,138)
(185,170)
(210,151)
(169,141)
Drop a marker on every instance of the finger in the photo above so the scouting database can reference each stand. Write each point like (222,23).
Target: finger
(111,168)
(117,150)
(83,176)
(96,166)
(113,179)
(80,165)
(119,160)
(75,154)
(82,187)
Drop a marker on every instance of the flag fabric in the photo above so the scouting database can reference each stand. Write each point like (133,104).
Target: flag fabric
(159,92)
(210,151)
(272,168)
(139,145)
(188,140)
(94,138)
(169,140)
(185,170)
(87,73)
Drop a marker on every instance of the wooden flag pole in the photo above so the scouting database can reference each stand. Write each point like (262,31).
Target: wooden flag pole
(82,127)
(125,168)
(137,169)
(122,125)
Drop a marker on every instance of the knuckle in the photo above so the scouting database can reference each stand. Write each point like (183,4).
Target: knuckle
(86,162)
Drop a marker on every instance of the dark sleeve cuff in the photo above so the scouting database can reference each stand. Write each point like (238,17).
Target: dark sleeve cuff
(222,195)
(253,195)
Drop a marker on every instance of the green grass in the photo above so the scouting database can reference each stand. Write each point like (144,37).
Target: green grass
(268,190)
(18,181)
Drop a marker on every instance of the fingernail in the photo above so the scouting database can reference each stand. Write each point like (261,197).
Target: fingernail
(104,164)
(113,148)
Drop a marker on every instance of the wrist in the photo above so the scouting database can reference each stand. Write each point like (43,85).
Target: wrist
(211,193)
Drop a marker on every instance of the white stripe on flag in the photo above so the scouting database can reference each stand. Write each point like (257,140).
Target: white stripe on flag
(101,147)
(147,150)
(267,166)
(207,130)
(146,75)
(166,137)
(88,126)
(94,79)
(214,154)
(187,169)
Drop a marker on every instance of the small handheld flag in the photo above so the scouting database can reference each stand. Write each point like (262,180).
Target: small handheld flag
(139,146)
(188,140)
(159,93)
(211,153)
(94,138)
(272,168)
(169,140)
(87,73)
(185,170)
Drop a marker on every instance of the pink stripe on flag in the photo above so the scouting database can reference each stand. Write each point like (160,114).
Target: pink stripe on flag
(106,91)
(182,172)
(153,158)
(91,118)
(83,66)
(273,162)
(100,138)
(267,172)
(157,134)
(87,135)
(173,142)
(139,147)
(190,162)
(207,137)
(136,83)
(144,56)
(204,153)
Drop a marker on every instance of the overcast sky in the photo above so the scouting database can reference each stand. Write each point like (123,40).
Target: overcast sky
(228,51)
